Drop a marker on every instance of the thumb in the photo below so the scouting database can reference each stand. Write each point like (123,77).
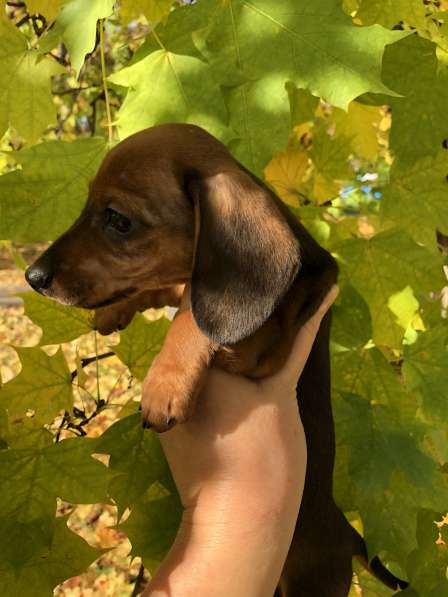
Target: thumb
(304,340)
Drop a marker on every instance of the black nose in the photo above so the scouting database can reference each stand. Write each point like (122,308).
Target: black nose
(39,277)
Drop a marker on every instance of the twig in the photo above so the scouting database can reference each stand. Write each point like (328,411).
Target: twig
(23,20)
(65,418)
(39,29)
(75,90)
(60,59)
(138,581)
(88,360)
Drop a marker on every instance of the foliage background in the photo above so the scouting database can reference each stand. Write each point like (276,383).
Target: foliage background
(342,107)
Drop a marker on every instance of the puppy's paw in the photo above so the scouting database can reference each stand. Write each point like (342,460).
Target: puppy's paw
(113,318)
(166,399)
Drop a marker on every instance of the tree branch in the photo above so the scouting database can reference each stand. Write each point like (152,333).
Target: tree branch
(88,360)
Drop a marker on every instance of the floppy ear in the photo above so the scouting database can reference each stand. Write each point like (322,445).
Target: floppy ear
(246,256)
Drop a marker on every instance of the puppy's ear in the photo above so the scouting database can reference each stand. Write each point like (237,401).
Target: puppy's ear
(246,255)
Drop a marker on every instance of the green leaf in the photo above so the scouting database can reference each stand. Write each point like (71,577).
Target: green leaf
(412,67)
(301,41)
(302,104)
(391,12)
(352,326)
(43,199)
(58,322)
(140,343)
(168,87)
(425,17)
(44,386)
(24,433)
(136,459)
(425,367)
(76,27)
(66,555)
(417,197)
(428,563)
(391,472)
(237,39)
(367,373)
(25,99)
(152,527)
(379,446)
(260,116)
(382,266)
(31,479)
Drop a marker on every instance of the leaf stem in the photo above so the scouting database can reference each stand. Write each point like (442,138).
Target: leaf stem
(104,77)
(158,40)
(98,396)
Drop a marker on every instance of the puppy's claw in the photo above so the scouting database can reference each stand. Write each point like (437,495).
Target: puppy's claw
(170,422)
(160,427)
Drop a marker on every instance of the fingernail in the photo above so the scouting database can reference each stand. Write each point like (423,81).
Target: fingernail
(329,298)
(333,292)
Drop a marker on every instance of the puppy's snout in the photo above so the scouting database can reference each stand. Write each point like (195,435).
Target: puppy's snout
(39,276)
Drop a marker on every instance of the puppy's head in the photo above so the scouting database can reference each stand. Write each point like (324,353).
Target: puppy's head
(168,205)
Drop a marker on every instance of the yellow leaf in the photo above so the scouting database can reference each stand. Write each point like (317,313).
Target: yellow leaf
(330,160)
(285,172)
(48,8)
(154,10)
(301,130)
(404,306)
(324,188)
(360,125)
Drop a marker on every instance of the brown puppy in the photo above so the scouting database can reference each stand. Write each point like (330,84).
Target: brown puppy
(168,206)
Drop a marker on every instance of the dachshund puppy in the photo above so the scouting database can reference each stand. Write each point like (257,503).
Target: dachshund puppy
(171,206)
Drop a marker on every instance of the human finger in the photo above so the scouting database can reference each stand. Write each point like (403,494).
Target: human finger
(305,337)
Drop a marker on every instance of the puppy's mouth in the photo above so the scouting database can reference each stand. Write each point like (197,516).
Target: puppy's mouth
(115,298)
(72,300)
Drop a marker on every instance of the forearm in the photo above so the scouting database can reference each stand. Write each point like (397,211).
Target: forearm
(234,542)
(241,557)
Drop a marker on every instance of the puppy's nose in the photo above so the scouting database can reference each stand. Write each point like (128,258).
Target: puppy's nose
(39,277)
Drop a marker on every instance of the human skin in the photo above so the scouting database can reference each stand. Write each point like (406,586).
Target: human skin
(239,465)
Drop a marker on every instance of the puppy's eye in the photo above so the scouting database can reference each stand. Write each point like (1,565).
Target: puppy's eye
(117,221)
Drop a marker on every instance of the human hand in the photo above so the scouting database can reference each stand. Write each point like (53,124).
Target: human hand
(239,465)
